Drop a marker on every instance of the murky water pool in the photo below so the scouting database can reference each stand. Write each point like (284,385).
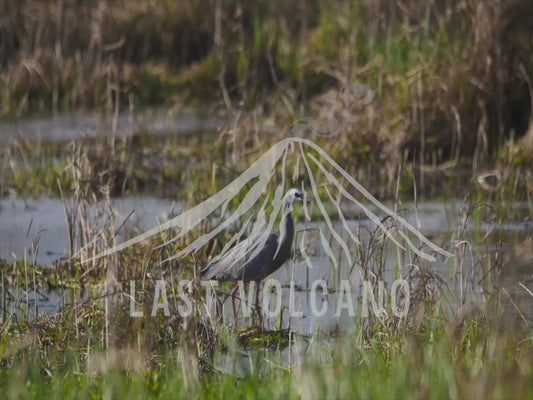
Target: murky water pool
(38,229)
(70,126)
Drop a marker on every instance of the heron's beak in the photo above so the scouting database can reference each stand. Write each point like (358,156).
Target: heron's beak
(310,199)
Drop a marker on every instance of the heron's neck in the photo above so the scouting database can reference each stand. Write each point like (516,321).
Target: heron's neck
(286,228)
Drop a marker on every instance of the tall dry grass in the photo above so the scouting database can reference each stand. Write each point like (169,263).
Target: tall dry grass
(447,74)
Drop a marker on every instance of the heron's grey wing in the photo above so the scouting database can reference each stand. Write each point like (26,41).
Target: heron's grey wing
(250,260)
(218,268)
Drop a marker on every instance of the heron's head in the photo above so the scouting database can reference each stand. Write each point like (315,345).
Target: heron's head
(295,195)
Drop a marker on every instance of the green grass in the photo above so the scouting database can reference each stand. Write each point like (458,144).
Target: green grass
(433,362)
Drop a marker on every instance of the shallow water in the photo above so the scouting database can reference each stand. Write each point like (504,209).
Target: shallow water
(461,274)
(70,126)
(38,229)
(28,302)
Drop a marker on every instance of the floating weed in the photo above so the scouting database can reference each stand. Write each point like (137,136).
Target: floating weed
(258,338)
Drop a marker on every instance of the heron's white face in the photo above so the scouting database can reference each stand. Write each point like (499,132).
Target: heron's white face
(295,195)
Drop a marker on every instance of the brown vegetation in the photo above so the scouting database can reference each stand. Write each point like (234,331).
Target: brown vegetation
(451,78)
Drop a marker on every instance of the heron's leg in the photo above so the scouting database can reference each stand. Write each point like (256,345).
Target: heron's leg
(233,301)
(257,308)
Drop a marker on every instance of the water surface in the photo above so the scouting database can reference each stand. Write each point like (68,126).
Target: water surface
(38,228)
(71,126)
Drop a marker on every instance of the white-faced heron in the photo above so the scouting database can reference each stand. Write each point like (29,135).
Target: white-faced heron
(257,257)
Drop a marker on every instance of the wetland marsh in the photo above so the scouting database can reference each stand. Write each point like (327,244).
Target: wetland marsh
(138,146)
